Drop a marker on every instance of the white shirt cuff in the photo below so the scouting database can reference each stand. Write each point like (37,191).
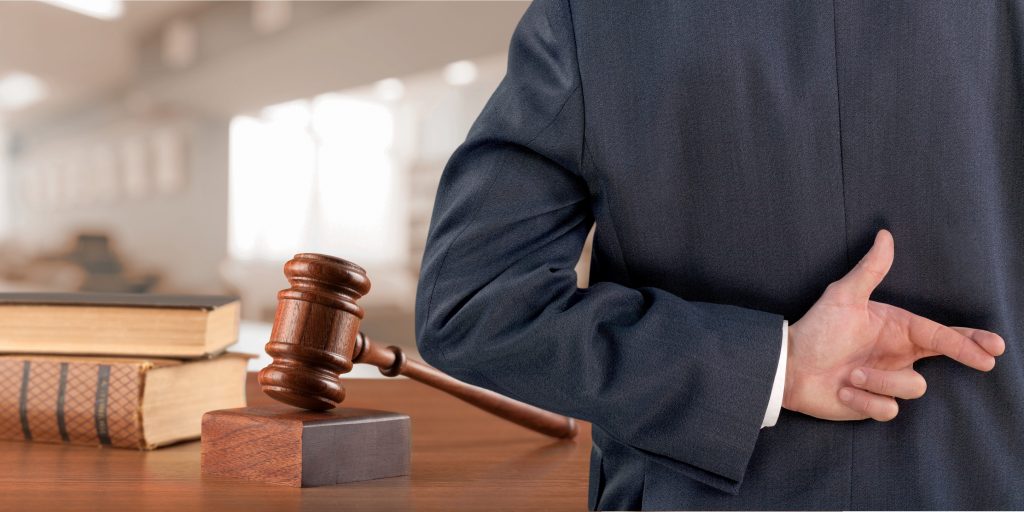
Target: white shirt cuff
(771,416)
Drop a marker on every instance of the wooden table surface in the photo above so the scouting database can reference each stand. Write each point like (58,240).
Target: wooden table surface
(462,458)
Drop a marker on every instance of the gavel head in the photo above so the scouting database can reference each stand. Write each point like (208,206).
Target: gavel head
(315,331)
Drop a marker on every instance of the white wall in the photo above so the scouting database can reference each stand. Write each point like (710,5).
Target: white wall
(329,46)
(179,234)
(5,194)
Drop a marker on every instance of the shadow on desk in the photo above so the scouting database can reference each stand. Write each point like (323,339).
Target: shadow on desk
(462,458)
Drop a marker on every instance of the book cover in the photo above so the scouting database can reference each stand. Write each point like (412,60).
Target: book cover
(138,300)
(100,401)
(172,326)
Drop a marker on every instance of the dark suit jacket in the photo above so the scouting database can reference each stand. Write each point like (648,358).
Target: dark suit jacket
(736,158)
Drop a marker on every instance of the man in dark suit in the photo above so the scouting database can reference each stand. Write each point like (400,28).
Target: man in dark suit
(748,165)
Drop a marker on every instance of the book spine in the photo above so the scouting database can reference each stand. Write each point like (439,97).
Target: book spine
(71,402)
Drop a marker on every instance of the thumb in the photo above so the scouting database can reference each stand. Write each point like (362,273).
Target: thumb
(857,285)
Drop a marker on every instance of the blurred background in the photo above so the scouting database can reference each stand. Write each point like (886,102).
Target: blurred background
(193,147)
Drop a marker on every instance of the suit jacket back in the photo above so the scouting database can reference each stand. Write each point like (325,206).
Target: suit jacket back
(736,158)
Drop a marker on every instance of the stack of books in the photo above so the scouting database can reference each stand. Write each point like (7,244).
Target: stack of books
(122,370)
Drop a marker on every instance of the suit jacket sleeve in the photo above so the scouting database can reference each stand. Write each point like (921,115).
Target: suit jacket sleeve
(497,304)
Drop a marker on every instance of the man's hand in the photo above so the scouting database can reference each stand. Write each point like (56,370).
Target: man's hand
(849,356)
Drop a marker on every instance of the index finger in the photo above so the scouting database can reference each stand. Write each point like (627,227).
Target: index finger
(988,340)
(937,339)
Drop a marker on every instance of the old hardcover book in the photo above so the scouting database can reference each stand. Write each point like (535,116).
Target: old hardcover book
(178,326)
(121,402)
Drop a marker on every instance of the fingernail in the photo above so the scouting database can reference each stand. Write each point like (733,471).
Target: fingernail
(858,377)
(845,395)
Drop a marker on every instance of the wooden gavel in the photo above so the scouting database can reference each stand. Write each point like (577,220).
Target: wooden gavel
(316,338)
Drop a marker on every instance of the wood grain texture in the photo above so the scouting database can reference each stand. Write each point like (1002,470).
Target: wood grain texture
(231,442)
(283,445)
(393,362)
(462,459)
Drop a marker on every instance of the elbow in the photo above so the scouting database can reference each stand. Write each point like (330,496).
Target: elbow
(445,351)
(429,340)
(441,323)
(445,338)
(448,322)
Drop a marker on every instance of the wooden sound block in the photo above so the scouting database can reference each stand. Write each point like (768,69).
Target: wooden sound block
(283,445)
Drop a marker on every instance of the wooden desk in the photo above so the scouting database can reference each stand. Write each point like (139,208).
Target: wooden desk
(462,459)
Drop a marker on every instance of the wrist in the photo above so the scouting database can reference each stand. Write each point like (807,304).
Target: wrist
(789,388)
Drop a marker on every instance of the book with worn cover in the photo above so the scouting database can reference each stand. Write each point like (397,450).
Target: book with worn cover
(122,324)
(120,402)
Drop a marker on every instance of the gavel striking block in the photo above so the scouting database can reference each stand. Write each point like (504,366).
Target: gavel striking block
(316,338)
(314,341)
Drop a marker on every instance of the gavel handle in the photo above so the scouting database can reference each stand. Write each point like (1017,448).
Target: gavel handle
(392,362)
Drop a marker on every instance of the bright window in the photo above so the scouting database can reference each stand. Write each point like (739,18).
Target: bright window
(316,176)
